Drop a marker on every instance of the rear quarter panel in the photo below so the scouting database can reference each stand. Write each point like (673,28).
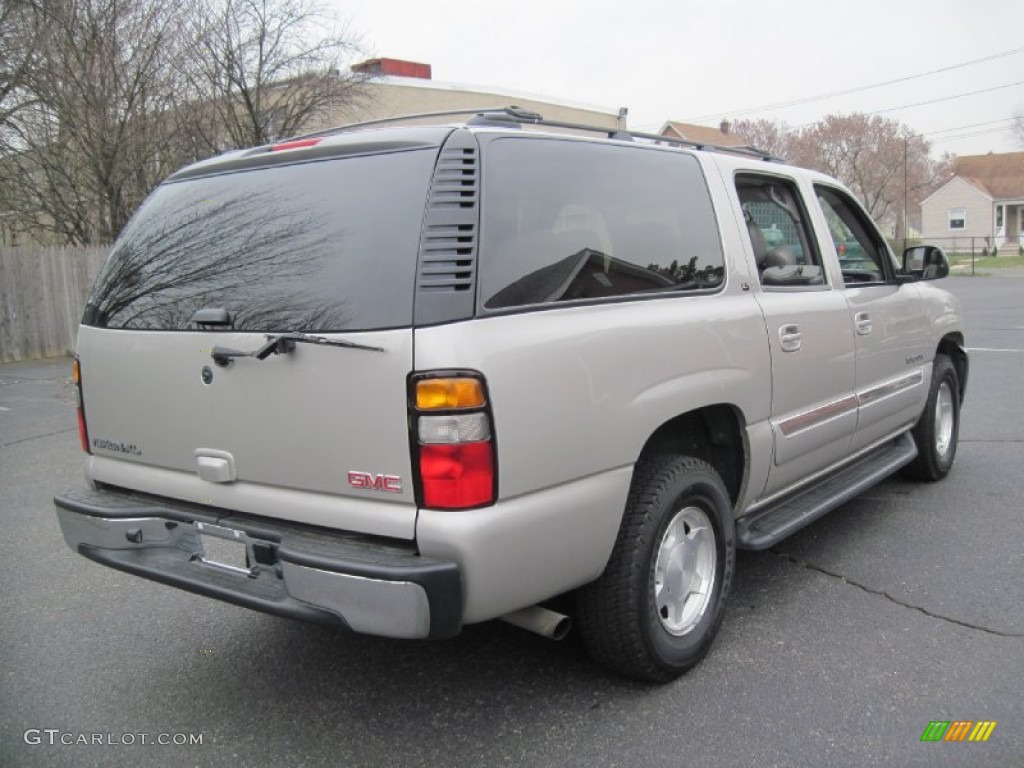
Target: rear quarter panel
(575,394)
(577,391)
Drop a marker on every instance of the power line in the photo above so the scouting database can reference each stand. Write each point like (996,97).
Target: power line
(822,97)
(945,98)
(965,127)
(973,135)
(924,103)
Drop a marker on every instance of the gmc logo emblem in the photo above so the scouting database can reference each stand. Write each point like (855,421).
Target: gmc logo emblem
(366,481)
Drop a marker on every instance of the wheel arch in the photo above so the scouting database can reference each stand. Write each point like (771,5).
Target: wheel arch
(714,433)
(952,346)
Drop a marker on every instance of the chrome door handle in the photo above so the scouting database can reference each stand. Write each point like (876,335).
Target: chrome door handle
(790,338)
(862,322)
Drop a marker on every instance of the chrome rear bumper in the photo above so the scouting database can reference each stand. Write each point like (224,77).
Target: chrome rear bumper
(370,585)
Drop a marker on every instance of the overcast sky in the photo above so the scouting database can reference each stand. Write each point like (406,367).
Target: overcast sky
(700,62)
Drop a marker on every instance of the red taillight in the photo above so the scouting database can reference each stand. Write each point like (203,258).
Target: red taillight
(457,476)
(295,144)
(83,433)
(83,436)
(453,440)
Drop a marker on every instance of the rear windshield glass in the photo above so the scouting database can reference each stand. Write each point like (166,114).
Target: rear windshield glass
(570,221)
(320,246)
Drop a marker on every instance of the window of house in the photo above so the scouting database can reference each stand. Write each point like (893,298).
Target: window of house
(999,217)
(957,218)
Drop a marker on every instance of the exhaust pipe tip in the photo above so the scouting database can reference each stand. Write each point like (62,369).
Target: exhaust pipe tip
(540,621)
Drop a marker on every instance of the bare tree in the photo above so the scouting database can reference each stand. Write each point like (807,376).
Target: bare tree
(101,99)
(19,31)
(887,165)
(264,69)
(88,145)
(770,135)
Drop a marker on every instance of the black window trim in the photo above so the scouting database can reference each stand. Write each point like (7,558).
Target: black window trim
(483,312)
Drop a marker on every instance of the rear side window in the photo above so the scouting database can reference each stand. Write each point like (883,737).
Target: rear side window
(569,221)
(318,246)
(777,226)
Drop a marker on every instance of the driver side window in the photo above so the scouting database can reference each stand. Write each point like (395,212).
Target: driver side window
(862,252)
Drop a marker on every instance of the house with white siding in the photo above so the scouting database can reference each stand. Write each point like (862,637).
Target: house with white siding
(983,203)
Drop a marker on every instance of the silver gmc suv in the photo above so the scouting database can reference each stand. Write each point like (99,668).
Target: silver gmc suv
(405,378)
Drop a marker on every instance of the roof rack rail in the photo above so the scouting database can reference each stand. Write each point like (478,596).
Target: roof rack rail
(400,119)
(760,154)
(512,115)
(517,115)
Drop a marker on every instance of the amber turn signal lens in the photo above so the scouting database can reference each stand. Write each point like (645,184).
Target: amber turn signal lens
(435,394)
(76,375)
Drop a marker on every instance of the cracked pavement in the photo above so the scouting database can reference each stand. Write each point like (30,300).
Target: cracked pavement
(838,647)
(882,593)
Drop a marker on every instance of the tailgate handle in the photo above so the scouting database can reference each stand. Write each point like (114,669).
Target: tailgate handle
(215,466)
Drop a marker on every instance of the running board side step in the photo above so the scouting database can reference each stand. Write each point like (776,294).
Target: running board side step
(766,527)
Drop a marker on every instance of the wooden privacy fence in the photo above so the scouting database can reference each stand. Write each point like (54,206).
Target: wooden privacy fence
(42,295)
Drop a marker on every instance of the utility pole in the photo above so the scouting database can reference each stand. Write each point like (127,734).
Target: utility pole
(905,230)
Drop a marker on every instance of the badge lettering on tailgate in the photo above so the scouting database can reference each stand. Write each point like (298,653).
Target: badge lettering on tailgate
(375,482)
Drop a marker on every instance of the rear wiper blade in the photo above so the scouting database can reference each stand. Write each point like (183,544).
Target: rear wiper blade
(285,342)
(280,343)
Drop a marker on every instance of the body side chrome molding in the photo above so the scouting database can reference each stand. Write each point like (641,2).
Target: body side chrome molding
(891,387)
(810,418)
(807,419)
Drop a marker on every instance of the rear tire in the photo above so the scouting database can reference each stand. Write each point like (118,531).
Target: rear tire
(655,610)
(938,430)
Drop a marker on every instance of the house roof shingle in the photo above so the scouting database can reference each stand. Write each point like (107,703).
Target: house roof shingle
(1001,176)
(702,134)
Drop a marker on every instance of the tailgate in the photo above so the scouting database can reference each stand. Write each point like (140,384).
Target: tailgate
(316,435)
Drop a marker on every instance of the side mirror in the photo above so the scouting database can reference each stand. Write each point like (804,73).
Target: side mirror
(925,262)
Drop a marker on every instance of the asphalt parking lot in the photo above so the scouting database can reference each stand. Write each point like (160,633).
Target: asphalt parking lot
(838,649)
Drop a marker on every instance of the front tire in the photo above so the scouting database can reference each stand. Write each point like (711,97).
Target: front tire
(938,430)
(655,610)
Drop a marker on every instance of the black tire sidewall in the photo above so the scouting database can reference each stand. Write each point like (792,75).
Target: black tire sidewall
(700,488)
(934,465)
(947,375)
